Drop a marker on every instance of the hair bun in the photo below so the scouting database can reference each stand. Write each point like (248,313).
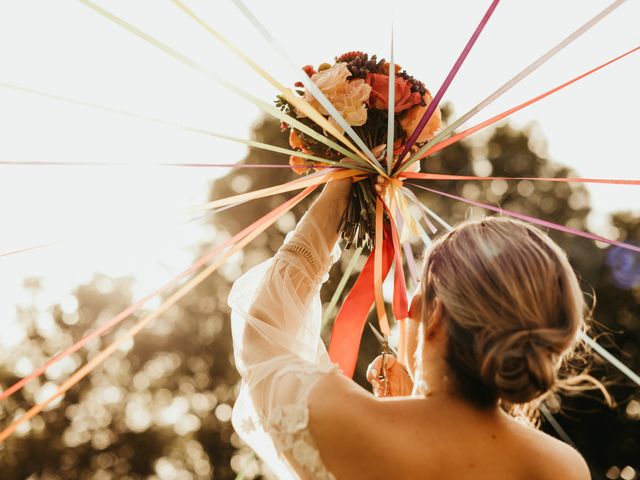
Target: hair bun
(518,366)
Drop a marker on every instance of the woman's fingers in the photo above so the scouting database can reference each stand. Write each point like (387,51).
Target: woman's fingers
(380,184)
(396,381)
(374,369)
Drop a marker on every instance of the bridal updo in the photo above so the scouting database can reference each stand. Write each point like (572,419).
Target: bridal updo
(512,307)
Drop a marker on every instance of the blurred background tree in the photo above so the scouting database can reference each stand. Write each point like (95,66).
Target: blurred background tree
(161,406)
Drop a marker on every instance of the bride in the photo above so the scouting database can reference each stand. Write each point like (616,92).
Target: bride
(499,307)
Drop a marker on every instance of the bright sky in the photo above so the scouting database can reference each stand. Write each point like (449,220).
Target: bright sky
(127,219)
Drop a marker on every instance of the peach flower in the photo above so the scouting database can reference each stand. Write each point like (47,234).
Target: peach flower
(348,96)
(411,119)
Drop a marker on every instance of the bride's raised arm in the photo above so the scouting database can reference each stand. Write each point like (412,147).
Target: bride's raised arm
(276,322)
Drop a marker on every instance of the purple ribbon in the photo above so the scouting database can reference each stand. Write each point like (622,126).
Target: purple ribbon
(538,221)
(445,85)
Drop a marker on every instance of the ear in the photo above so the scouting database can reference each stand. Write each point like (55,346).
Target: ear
(415,309)
(435,325)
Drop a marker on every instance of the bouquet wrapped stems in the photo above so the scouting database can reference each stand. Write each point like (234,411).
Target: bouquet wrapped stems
(359,219)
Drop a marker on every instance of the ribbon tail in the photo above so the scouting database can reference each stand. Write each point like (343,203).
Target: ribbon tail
(378,276)
(400,303)
(350,321)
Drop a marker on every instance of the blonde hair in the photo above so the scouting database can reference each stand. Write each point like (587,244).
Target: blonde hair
(512,305)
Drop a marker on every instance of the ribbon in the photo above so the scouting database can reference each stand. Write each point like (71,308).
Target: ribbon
(378,277)
(298,102)
(309,85)
(440,176)
(432,146)
(341,284)
(517,79)
(82,372)
(608,356)
(158,121)
(537,221)
(445,85)
(349,324)
(135,307)
(391,103)
(264,106)
(39,163)
(350,321)
(400,305)
(297,184)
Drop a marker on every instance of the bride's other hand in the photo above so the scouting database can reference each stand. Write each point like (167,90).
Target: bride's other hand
(399,384)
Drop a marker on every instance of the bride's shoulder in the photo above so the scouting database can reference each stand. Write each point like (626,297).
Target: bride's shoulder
(560,459)
(340,411)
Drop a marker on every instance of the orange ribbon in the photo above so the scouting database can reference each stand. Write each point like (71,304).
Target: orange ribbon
(378,277)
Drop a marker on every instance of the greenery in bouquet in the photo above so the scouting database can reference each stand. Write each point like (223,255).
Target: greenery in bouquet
(358,86)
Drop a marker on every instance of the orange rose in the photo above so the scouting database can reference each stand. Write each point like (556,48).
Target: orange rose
(294,140)
(411,119)
(299,164)
(404,97)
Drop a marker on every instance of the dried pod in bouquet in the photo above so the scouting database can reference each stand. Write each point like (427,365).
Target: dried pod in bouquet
(358,87)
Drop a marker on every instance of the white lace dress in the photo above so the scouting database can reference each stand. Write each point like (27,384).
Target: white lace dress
(276,319)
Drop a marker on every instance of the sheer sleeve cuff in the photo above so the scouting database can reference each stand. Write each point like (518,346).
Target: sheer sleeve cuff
(306,246)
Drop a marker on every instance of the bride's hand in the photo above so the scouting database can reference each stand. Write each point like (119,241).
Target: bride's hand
(398,382)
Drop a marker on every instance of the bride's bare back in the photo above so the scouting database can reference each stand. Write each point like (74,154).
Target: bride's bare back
(360,437)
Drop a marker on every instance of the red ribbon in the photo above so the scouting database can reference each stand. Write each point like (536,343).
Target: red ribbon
(349,324)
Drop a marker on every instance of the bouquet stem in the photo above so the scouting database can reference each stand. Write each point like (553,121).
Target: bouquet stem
(359,218)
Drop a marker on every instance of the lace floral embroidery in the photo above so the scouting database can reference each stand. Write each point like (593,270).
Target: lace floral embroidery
(288,426)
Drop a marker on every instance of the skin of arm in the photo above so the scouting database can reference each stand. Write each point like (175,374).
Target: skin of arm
(328,208)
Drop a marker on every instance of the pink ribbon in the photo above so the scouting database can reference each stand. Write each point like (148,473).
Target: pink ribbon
(537,221)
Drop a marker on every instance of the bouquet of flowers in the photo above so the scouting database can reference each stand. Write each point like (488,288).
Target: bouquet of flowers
(358,86)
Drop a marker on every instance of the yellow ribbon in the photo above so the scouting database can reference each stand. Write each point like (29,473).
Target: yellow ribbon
(298,102)
(377,269)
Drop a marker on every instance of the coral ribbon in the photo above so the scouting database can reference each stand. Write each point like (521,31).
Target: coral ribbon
(262,224)
(350,321)
(139,304)
(465,133)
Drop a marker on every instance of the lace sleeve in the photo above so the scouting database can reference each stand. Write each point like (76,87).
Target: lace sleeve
(276,320)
